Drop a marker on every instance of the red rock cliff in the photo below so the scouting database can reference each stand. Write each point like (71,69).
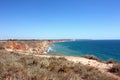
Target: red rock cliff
(36,47)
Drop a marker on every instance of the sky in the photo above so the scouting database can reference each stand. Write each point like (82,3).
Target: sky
(59,19)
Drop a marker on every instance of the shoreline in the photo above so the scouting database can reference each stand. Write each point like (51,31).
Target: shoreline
(52,42)
(24,47)
(102,53)
(30,46)
(34,47)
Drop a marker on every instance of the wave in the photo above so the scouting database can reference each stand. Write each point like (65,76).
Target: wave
(49,49)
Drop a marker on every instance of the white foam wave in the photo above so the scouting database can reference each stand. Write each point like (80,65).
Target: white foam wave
(49,49)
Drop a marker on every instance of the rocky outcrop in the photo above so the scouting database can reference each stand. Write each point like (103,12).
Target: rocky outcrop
(35,47)
(28,46)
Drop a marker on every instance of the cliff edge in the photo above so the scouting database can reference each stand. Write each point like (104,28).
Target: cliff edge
(35,47)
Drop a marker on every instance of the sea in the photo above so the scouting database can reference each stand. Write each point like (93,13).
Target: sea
(103,49)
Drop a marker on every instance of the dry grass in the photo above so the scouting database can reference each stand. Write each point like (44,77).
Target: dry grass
(14,66)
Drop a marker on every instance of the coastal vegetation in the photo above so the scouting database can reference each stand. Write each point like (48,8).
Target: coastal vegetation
(14,66)
(111,61)
(115,69)
(92,57)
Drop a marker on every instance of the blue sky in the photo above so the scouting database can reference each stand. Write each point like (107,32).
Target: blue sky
(59,19)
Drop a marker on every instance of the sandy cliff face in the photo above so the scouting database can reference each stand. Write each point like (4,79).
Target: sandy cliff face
(36,47)
(28,46)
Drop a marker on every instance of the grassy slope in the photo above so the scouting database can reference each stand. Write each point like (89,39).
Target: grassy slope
(21,67)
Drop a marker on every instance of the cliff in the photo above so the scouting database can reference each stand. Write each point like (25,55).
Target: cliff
(28,46)
(35,47)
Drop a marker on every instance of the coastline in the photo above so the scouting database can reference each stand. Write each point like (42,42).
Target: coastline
(15,46)
(52,42)
(103,49)
(29,46)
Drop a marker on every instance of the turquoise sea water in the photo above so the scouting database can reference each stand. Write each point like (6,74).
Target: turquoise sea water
(103,49)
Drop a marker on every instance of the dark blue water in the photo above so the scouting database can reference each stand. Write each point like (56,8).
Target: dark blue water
(103,49)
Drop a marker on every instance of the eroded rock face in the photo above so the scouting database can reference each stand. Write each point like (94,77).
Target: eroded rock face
(35,47)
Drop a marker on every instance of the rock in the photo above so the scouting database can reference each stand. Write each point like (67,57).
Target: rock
(35,47)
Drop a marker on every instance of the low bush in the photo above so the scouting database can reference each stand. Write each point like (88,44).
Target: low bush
(92,57)
(115,69)
(111,61)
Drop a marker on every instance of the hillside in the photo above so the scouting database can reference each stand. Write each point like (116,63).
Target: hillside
(14,66)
